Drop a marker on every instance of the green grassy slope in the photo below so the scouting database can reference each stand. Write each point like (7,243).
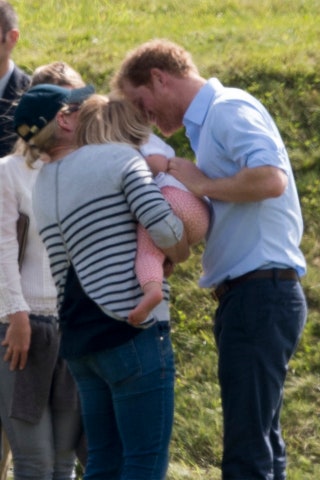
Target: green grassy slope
(270,48)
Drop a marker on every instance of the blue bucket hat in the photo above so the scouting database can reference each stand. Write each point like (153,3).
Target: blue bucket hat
(40,104)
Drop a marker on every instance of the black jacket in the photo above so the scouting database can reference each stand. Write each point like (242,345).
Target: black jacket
(18,82)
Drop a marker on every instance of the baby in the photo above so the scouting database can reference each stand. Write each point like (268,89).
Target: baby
(103,120)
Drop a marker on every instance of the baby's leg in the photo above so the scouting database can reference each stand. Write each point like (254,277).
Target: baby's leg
(192,210)
(151,298)
(149,271)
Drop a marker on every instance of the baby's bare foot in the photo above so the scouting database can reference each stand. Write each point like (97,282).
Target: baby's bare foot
(152,297)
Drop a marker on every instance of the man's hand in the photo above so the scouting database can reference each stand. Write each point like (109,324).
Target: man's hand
(17,340)
(189,174)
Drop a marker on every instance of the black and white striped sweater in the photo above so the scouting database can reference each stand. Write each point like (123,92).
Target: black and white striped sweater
(87,206)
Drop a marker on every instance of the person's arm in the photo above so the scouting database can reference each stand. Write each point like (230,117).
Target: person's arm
(12,302)
(248,185)
(153,212)
(178,252)
(157,163)
(156,153)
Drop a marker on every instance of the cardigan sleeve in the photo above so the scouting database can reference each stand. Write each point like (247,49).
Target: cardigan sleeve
(11,296)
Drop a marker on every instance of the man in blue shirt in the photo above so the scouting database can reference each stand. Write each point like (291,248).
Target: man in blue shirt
(252,260)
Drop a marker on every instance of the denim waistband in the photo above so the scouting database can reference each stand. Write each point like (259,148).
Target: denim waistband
(164,326)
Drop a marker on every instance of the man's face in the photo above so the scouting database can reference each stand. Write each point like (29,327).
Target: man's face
(7,43)
(2,44)
(158,104)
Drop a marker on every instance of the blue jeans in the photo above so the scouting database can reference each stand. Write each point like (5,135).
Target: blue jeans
(257,328)
(127,398)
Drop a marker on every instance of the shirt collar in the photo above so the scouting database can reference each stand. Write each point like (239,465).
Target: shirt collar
(197,111)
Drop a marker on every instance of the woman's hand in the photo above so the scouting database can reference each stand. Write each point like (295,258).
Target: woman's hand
(17,340)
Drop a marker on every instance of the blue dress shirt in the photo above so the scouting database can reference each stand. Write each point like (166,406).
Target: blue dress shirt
(229,130)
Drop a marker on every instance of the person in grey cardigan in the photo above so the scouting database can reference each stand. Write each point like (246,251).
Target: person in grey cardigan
(87,203)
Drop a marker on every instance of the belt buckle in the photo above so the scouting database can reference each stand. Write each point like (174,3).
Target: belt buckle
(221,290)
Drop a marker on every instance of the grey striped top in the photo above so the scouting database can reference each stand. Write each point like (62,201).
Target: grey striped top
(87,206)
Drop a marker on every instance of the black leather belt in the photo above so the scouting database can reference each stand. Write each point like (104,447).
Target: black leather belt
(276,273)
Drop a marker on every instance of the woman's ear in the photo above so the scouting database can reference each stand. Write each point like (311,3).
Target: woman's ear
(60,119)
(66,121)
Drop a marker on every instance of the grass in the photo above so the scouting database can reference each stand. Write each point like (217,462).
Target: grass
(271,49)
(225,36)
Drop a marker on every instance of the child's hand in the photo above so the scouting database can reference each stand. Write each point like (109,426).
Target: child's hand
(157,163)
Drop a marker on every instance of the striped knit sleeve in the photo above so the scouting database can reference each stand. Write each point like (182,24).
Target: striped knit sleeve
(149,206)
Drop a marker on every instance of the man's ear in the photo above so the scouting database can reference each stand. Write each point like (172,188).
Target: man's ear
(12,37)
(158,76)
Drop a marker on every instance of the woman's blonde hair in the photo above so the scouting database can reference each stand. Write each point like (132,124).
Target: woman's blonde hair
(104,119)
(56,73)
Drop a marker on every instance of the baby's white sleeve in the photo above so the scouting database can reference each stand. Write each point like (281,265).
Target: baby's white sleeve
(156,146)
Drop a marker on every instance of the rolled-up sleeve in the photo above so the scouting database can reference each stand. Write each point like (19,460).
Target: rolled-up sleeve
(167,232)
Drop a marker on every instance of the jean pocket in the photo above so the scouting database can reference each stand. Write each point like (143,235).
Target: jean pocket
(120,364)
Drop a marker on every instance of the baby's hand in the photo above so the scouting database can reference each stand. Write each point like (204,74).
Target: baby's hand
(157,163)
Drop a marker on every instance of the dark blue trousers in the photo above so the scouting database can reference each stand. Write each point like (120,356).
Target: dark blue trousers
(257,328)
